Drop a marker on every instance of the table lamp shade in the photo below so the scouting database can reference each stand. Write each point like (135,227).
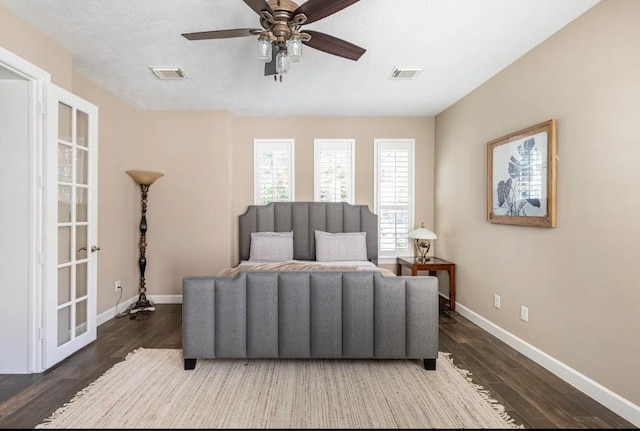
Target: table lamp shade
(422,233)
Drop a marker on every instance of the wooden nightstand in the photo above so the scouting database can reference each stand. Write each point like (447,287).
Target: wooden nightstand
(432,265)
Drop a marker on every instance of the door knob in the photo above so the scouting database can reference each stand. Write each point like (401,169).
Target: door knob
(95,248)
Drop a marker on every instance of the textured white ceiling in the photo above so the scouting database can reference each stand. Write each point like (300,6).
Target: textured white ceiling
(459,43)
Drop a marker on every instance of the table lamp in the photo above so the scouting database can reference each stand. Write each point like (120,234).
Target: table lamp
(423,239)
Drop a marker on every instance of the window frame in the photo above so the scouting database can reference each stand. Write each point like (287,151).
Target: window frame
(259,145)
(401,144)
(350,146)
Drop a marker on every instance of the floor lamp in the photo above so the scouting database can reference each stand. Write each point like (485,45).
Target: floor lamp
(144,179)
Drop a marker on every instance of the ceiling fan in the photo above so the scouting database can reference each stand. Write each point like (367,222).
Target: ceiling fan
(282,22)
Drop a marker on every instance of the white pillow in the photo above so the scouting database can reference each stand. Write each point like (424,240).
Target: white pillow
(340,246)
(271,246)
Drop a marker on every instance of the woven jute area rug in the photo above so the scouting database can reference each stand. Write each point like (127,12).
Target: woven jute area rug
(150,389)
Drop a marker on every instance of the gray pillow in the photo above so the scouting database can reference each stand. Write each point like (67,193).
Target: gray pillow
(271,246)
(340,246)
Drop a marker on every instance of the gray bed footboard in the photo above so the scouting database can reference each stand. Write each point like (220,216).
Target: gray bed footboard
(310,314)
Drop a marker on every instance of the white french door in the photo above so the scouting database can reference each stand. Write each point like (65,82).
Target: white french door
(71,255)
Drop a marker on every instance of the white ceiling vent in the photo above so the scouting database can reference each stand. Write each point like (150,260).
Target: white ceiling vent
(168,72)
(400,72)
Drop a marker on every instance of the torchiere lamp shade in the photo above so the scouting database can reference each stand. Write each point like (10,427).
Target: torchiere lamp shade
(144,177)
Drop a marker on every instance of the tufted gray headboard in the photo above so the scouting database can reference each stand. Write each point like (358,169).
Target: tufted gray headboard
(304,218)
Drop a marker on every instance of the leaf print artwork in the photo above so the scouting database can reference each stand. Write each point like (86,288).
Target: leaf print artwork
(521,193)
(521,177)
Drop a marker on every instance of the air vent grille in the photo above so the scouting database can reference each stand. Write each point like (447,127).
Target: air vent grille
(405,72)
(168,72)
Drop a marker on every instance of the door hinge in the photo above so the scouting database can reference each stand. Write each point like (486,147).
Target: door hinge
(40,109)
(40,181)
(41,258)
(41,333)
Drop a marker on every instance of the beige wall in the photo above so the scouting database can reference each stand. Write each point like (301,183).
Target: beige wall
(189,207)
(207,159)
(305,129)
(118,211)
(578,279)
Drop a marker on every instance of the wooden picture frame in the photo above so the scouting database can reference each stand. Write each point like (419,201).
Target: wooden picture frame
(521,177)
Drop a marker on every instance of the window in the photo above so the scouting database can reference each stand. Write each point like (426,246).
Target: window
(273,170)
(334,170)
(394,196)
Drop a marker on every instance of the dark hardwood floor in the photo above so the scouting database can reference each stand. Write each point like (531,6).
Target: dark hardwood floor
(531,395)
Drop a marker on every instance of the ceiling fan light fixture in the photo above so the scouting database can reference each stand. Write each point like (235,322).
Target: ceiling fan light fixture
(294,48)
(282,62)
(265,51)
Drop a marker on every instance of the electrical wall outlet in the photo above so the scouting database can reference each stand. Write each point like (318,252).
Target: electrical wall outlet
(117,285)
(524,313)
(496,301)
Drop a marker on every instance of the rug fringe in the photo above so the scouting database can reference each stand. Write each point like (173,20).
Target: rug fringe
(65,406)
(484,393)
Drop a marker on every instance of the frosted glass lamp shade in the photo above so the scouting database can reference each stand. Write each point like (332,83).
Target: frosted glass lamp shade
(294,48)
(264,50)
(282,62)
(145,178)
(422,233)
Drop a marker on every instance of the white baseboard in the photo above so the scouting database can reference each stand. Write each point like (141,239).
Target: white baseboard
(111,313)
(157,299)
(166,299)
(604,396)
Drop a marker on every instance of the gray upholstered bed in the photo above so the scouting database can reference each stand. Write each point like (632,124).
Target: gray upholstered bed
(309,313)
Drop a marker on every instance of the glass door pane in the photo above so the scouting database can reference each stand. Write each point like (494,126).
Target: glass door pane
(73,222)
(64,325)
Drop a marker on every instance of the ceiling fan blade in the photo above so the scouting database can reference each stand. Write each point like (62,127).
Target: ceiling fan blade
(259,5)
(318,9)
(333,45)
(221,34)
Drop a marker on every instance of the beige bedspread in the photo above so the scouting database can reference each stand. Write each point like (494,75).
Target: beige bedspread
(298,265)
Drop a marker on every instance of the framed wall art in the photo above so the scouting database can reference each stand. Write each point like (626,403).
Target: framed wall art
(521,177)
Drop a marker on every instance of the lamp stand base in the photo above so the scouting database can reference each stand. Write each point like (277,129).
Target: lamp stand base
(143,306)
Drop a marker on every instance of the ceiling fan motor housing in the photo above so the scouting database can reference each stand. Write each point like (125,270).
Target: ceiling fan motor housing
(280,25)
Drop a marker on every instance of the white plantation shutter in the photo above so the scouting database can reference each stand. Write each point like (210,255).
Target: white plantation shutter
(334,170)
(273,170)
(394,173)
